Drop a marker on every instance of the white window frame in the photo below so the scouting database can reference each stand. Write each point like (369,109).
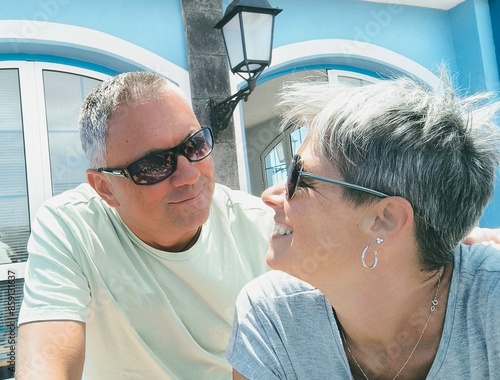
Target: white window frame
(35,133)
(334,74)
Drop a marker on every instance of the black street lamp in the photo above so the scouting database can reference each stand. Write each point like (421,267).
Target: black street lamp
(247,28)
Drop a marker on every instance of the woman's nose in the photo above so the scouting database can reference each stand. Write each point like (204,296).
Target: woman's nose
(274,196)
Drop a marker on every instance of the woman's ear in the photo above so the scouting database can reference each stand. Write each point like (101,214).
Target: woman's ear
(389,217)
(102,186)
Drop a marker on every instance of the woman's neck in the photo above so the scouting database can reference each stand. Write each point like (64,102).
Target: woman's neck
(387,318)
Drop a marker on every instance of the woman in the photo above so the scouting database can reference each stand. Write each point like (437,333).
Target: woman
(388,181)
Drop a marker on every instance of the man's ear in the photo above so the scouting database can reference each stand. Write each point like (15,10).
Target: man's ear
(102,186)
(390,217)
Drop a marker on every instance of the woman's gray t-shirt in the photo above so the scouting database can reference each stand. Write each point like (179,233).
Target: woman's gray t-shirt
(285,329)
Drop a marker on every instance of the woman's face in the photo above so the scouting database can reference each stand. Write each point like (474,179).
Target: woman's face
(317,233)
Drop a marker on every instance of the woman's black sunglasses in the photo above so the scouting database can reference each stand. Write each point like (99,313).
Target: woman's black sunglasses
(295,172)
(157,166)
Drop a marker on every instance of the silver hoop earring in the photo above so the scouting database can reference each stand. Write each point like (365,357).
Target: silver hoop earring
(375,255)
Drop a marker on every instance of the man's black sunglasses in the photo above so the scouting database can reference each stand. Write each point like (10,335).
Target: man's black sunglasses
(295,172)
(157,166)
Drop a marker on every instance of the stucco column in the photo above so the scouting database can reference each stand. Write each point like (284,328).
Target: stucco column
(209,74)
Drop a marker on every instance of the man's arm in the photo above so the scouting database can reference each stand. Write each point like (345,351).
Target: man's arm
(51,350)
(483,235)
(238,376)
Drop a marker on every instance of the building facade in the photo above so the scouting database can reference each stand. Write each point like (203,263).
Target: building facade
(52,52)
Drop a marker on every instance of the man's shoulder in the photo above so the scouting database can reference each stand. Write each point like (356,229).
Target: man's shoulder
(238,201)
(80,202)
(83,193)
(238,198)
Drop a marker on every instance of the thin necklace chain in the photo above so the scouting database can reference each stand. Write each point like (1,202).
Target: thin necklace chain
(434,303)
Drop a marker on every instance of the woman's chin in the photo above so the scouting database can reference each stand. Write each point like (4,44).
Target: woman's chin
(277,261)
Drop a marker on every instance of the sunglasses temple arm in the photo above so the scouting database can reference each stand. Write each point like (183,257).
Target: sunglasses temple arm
(345,184)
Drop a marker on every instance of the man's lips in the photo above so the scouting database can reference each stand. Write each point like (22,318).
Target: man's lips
(187,199)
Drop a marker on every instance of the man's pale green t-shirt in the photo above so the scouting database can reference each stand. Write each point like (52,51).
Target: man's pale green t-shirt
(149,314)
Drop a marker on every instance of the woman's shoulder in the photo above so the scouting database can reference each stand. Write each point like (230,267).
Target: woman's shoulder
(477,271)
(276,285)
(277,296)
(479,257)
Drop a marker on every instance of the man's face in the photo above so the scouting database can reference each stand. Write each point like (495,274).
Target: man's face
(167,214)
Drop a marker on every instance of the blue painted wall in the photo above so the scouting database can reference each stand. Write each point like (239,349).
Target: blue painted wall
(472,34)
(495,26)
(420,34)
(464,37)
(492,213)
(155,25)
(390,26)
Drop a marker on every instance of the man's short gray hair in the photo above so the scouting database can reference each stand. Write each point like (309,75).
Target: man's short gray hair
(104,100)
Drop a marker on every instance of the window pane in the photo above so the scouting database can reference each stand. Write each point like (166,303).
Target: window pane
(64,94)
(297,137)
(275,165)
(14,214)
(353,82)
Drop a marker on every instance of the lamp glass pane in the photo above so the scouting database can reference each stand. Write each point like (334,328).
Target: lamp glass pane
(258,30)
(233,40)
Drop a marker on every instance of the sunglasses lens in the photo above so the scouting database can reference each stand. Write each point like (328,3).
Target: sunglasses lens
(153,168)
(159,166)
(198,146)
(293,177)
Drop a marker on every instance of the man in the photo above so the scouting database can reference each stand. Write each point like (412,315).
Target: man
(135,274)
